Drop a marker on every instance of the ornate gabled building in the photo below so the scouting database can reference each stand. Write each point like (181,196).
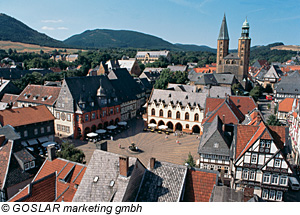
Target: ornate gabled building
(85,104)
(235,63)
(178,110)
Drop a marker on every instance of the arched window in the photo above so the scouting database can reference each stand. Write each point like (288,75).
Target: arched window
(169,114)
(177,115)
(187,126)
(187,116)
(233,62)
(153,112)
(227,61)
(196,118)
(161,112)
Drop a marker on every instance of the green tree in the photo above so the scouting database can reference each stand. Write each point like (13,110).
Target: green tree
(167,76)
(190,160)
(256,92)
(69,152)
(237,89)
(272,120)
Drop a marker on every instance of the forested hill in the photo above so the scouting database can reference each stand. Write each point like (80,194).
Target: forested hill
(104,38)
(16,31)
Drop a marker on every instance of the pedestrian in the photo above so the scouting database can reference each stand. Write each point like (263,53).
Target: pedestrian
(111,138)
(166,137)
(197,137)
(119,145)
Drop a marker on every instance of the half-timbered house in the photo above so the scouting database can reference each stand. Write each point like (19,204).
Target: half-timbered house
(260,160)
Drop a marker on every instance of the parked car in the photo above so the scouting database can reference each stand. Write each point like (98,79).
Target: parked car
(294,184)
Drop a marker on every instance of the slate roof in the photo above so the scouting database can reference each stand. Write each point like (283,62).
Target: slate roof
(125,86)
(232,56)
(224,78)
(226,194)
(289,84)
(183,98)
(127,64)
(5,155)
(223,34)
(214,134)
(69,175)
(181,68)
(13,73)
(182,87)
(152,53)
(24,156)
(144,84)
(39,94)
(273,72)
(9,132)
(25,116)
(153,70)
(200,185)
(218,91)
(84,88)
(163,184)
(43,190)
(16,174)
(105,166)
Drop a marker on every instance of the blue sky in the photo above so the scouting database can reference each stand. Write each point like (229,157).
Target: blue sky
(177,21)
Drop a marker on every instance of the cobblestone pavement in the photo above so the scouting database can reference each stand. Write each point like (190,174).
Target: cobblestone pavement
(151,145)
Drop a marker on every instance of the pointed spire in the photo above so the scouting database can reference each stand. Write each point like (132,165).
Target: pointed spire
(223,35)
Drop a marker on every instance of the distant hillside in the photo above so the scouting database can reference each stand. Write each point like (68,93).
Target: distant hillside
(104,38)
(287,47)
(16,31)
(25,47)
(191,47)
(271,55)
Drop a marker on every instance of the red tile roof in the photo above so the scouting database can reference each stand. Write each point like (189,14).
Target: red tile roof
(244,134)
(199,185)
(65,190)
(9,98)
(247,135)
(286,105)
(25,116)
(5,153)
(290,68)
(39,94)
(43,190)
(234,109)
(244,103)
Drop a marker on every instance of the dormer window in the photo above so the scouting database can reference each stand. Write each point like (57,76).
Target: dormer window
(44,98)
(116,99)
(83,105)
(92,104)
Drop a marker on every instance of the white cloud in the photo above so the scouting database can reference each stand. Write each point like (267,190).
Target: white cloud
(48,28)
(52,21)
(62,28)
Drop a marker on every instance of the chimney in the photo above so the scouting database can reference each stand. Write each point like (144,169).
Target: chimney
(152,163)
(123,165)
(2,139)
(51,152)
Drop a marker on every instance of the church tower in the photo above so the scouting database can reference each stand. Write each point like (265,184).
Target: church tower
(223,45)
(244,52)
